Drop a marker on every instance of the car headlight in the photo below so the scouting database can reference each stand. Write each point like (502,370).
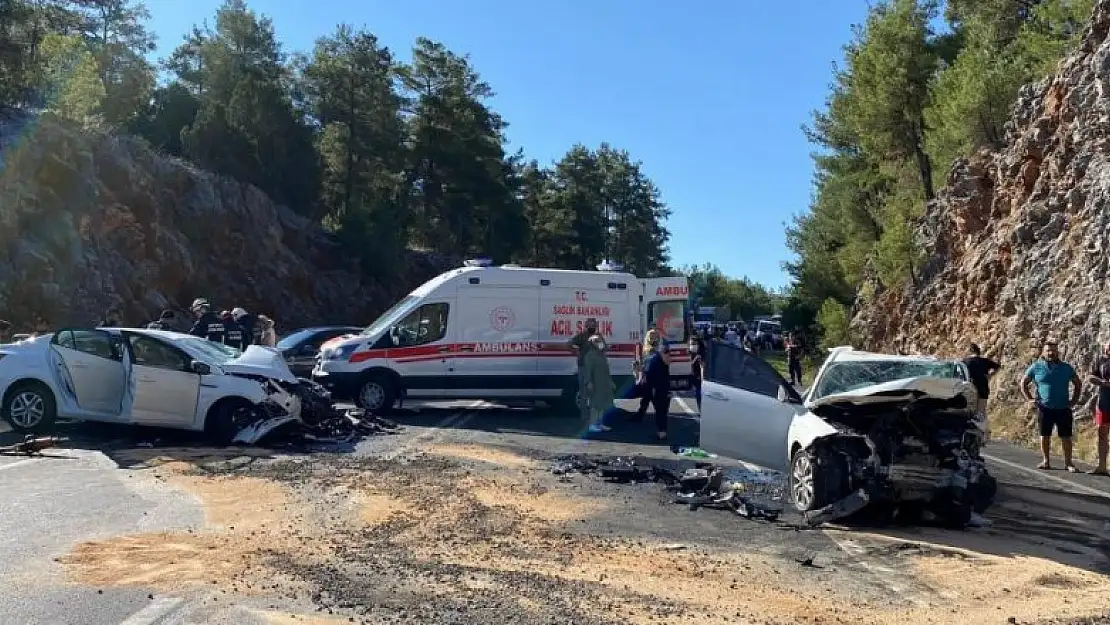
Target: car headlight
(342,352)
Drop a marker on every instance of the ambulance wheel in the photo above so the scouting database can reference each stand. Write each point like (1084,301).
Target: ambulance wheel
(377,394)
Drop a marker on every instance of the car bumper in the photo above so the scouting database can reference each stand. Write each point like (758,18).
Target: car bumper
(343,386)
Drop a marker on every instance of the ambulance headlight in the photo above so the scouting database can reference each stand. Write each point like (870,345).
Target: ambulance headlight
(339,352)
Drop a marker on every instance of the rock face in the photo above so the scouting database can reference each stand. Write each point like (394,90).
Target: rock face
(88,221)
(1018,243)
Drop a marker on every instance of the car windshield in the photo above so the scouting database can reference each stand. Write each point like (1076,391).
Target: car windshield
(296,337)
(841,377)
(211,353)
(392,316)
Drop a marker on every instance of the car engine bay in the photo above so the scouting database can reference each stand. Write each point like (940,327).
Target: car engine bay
(918,457)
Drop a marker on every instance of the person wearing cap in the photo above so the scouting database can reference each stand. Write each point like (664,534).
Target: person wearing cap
(207,325)
(164,322)
(252,330)
(233,332)
(1057,387)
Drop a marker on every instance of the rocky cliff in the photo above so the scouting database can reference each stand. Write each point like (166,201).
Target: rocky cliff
(90,220)
(1018,243)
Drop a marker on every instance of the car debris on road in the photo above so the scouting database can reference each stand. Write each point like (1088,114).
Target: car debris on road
(703,486)
(32,446)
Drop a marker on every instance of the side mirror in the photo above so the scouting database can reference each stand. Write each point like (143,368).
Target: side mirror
(200,368)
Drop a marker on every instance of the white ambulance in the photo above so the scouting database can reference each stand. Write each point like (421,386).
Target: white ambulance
(500,333)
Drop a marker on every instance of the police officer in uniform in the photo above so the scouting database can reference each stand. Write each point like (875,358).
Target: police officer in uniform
(207,325)
(233,332)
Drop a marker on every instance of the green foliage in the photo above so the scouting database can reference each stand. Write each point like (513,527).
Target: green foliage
(68,79)
(833,319)
(744,298)
(907,102)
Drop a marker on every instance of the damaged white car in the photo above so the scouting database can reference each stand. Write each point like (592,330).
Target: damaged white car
(896,433)
(147,377)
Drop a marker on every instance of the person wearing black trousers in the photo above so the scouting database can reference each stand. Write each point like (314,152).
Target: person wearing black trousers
(697,367)
(657,378)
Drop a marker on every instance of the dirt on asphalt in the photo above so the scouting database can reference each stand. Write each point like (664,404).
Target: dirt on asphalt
(470,533)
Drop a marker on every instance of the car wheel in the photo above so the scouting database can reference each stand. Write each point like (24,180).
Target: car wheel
(30,407)
(803,481)
(377,394)
(226,418)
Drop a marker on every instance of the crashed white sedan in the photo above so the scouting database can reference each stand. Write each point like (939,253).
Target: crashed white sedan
(872,429)
(145,377)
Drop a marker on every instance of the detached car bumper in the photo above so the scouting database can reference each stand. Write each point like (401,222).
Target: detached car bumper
(343,386)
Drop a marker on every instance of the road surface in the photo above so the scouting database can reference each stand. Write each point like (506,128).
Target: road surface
(84,527)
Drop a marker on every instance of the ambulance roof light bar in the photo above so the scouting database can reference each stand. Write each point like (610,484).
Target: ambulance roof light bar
(608,265)
(478,262)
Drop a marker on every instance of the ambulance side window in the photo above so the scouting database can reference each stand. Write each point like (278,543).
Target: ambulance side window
(426,324)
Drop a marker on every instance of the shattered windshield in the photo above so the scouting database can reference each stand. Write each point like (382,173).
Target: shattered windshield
(391,316)
(842,377)
(212,353)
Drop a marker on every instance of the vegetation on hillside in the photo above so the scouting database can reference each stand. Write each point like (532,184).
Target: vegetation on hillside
(921,84)
(386,154)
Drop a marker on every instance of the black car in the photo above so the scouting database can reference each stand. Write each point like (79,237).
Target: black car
(301,347)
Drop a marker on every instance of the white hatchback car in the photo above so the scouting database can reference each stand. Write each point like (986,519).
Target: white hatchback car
(879,426)
(141,377)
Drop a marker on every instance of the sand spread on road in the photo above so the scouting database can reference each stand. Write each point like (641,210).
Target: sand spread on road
(467,524)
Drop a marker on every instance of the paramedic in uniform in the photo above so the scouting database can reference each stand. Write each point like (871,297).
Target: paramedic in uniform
(208,325)
(579,344)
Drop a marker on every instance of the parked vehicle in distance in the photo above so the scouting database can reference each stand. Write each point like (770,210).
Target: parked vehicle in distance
(141,377)
(301,347)
(871,428)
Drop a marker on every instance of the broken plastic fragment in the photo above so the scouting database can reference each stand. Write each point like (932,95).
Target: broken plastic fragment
(255,431)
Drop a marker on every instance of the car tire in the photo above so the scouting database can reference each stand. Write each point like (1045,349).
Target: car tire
(24,401)
(225,420)
(377,394)
(815,479)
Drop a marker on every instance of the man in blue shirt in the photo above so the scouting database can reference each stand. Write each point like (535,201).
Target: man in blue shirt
(1058,388)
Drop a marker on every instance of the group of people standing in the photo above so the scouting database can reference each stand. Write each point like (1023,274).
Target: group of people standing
(1053,387)
(235,328)
(597,391)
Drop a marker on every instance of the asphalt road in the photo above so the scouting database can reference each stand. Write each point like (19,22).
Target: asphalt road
(89,490)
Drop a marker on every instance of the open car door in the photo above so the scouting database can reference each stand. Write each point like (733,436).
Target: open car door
(92,369)
(747,408)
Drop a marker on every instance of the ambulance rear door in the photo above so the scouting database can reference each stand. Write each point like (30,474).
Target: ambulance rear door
(498,339)
(665,309)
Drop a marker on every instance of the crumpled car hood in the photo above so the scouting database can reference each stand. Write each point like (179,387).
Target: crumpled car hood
(903,390)
(263,361)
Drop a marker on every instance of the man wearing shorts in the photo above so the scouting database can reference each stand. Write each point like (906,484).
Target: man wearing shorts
(1100,377)
(1057,392)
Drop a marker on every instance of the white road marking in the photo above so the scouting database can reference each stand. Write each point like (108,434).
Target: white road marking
(1048,476)
(154,611)
(16,463)
(685,406)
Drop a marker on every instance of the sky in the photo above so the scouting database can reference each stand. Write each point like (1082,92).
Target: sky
(710,98)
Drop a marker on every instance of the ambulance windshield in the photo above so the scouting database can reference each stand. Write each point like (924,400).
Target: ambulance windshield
(391,316)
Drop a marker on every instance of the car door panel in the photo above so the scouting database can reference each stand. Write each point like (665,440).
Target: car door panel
(93,369)
(166,389)
(742,415)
